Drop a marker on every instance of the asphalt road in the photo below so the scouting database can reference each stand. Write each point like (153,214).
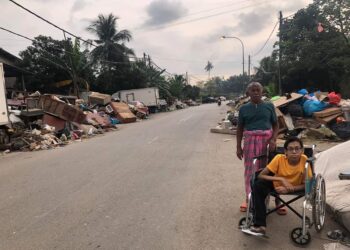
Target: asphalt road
(163,183)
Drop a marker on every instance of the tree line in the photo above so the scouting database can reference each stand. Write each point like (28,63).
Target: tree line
(105,64)
(315,49)
(314,44)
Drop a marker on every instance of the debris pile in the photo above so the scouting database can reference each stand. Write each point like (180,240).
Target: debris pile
(46,121)
(315,116)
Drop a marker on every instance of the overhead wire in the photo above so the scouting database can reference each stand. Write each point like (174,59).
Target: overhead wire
(205,17)
(270,35)
(58,49)
(47,21)
(89,42)
(266,40)
(216,8)
(65,31)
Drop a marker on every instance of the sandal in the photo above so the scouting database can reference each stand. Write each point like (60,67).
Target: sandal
(243,207)
(282,211)
(258,230)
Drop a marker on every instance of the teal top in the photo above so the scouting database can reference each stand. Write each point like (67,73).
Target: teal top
(257,116)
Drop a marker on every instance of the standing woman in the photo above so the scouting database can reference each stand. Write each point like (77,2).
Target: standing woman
(257,124)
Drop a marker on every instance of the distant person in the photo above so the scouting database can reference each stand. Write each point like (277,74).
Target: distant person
(284,174)
(257,124)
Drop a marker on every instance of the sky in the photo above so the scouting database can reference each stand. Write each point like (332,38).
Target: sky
(180,35)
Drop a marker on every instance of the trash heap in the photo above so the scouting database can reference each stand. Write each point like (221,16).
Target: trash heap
(47,121)
(314,116)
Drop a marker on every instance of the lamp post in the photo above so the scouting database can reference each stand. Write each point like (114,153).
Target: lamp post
(234,37)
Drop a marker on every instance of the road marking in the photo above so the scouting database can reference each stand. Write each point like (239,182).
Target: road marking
(184,119)
(153,140)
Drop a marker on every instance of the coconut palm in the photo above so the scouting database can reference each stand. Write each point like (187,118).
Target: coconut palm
(208,68)
(110,42)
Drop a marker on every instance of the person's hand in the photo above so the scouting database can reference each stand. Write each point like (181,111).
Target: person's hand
(272,145)
(239,153)
(287,185)
(281,190)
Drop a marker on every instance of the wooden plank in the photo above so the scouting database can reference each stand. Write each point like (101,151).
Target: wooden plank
(282,126)
(289,121)
(283,100)
(327,112)
(328,119)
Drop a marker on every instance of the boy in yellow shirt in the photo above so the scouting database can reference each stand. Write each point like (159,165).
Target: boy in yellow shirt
(284,174)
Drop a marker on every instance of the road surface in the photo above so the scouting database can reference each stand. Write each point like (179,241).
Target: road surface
(163,183)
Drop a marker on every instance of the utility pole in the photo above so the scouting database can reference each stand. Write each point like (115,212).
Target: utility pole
(280,56)
(149,61)
(248,67)
(187,78)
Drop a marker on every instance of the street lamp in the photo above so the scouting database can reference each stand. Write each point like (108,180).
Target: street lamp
(234,37)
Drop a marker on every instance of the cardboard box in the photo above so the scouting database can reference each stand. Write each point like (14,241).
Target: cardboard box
(122,112)
(98,98)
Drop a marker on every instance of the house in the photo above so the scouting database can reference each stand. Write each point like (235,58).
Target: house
(13,73)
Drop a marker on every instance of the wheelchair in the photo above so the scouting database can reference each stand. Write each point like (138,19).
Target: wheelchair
(314,199)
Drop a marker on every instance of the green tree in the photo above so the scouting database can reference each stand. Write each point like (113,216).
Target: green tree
(191,92)
(111,42)
(176,86)
(208,68)
(311,59)
(51,61)
(337,13)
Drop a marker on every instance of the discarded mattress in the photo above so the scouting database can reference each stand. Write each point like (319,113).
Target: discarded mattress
(330,164)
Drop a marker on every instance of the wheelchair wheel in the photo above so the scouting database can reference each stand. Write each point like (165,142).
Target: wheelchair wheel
(319,203)
(244,223)
(298,238)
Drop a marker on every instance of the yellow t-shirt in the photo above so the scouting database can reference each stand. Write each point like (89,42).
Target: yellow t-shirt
(293,174)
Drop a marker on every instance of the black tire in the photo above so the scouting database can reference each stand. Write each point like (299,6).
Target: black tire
(319,203)
(243,223)
(298,238)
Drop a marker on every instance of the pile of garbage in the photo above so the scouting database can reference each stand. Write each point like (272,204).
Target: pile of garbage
(318,115)
(47,121)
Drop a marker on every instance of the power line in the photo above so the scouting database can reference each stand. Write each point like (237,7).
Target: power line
(47,21)
(58,49)
(14,33)
(266,40)
(56,26)
(270,35)
(205,17)
(195,78)
(190,61)
(209,10)
(65,31)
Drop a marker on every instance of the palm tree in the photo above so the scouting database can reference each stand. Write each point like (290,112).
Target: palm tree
(208,68)
(110,42)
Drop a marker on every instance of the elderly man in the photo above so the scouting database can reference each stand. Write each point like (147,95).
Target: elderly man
(257,124)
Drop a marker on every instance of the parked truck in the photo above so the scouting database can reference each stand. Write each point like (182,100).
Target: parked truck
(4,115)
(148,96)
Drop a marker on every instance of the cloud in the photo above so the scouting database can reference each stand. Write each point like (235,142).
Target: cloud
(253,22)
(216,34)
(164,11)
(79,5)
(294,5)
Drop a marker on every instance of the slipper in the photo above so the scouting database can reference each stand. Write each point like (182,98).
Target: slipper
(243,207)
(282,211)
(255,231)
(258,230)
